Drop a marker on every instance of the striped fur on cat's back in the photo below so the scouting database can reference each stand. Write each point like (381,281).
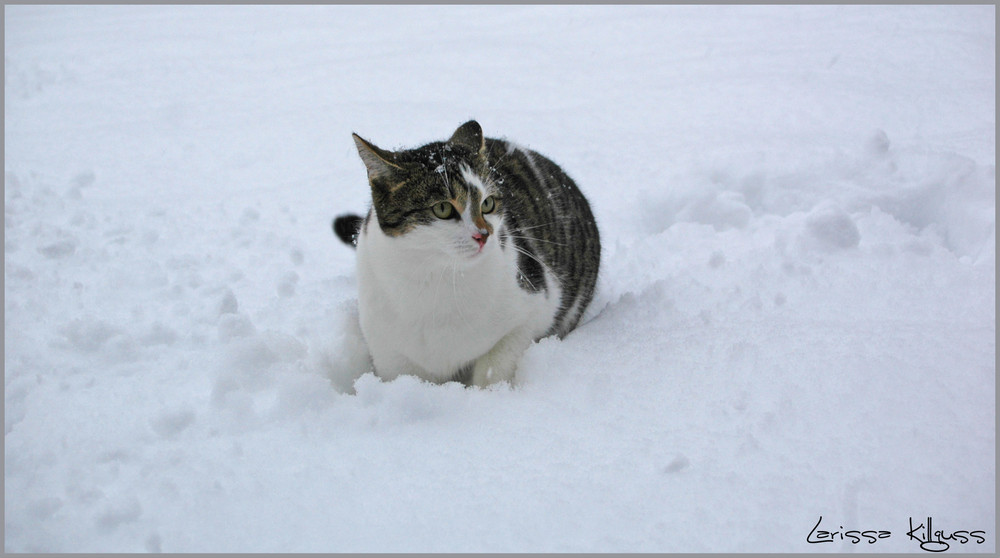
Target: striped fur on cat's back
(473,248)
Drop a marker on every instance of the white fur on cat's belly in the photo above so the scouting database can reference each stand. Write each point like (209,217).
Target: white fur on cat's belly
(429,304)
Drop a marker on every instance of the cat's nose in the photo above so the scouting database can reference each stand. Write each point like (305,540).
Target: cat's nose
(480,236)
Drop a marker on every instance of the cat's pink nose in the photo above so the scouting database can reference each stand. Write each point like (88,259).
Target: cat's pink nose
(480,236)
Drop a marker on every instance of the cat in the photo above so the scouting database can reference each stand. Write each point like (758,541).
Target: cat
(473,248)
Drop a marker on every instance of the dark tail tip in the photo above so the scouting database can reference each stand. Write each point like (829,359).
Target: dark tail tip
(346,227)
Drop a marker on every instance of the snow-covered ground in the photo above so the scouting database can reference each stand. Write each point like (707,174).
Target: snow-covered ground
(796,315)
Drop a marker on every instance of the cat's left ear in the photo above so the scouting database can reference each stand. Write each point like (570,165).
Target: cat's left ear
(470,136)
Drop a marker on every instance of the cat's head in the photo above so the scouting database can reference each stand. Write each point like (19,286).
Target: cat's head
(438,197)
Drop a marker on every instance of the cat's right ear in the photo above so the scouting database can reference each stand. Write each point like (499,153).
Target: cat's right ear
(470,136)
(376,160)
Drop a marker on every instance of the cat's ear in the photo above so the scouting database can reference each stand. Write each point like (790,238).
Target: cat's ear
(376,160)
(470,136)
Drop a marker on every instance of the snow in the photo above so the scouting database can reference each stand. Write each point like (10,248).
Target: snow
(795,316)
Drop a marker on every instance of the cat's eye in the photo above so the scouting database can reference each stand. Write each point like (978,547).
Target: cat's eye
(489,204)
(443,210)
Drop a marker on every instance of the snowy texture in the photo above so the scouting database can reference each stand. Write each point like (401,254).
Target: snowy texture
(795,316)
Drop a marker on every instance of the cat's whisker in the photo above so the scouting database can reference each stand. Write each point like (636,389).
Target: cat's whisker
(520,230)
(493,167)
(454,283)
(438,317)
(524,276)
(445,179)
(525,253)
(532,239)
(543,225)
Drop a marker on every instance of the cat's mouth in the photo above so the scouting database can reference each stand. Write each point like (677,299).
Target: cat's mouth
(476,250)
(470,251)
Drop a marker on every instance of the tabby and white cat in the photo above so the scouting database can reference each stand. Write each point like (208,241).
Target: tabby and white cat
(473,248)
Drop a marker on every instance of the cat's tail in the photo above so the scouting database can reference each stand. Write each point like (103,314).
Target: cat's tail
(346,227)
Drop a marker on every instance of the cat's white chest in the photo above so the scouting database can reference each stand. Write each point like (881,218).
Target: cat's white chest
(430,316)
